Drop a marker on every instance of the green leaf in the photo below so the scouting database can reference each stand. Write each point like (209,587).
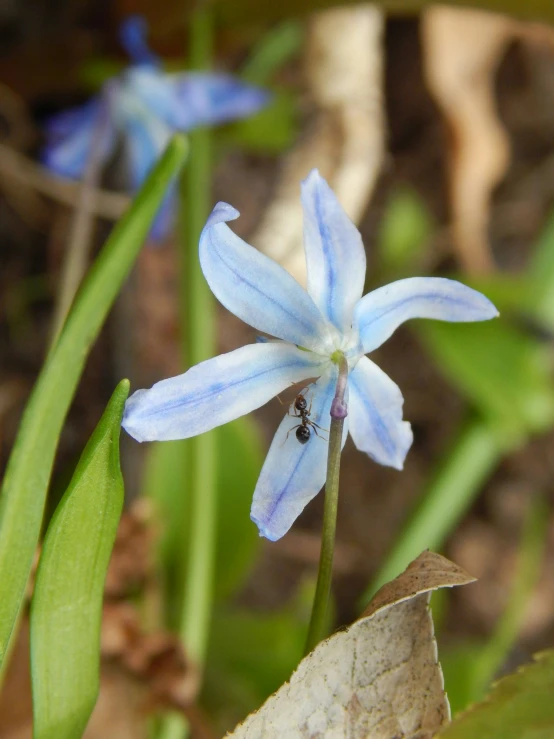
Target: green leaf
(280,44)
(519,706)
(460,477)
(541,273)
(270,130)
(166,483)
(240,462)
(251,654)
(66,609)
(30,464)
(504,372)
(404,231)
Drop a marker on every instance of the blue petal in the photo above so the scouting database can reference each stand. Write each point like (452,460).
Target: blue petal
(203,99)
(216,391)
(294,473)
(257,289)
(379,313)
(150,91)
(70,136)
(146,138)
(335,254)
(375,412)
(132,36)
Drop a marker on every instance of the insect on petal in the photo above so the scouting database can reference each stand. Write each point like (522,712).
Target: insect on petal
(379,313)
(294,473)
(216,391)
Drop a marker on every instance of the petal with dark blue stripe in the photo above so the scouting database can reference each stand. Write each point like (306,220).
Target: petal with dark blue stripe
(379,313)
(335,255)
(375,411)
(257,289)
(216,391)
(294,473)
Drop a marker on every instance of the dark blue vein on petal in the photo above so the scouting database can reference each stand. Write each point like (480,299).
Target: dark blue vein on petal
(308,326)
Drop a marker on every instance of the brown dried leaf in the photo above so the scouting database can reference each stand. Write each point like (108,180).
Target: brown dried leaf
(379,678)
(344,60)
(462,51)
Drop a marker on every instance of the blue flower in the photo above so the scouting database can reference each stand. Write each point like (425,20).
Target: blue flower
(139,110)
(314,327)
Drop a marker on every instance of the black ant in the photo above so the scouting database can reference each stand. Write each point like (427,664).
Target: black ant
(303,431)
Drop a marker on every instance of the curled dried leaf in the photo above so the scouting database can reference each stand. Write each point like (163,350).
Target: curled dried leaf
(379,678)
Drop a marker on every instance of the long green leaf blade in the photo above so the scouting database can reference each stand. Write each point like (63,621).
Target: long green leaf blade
(30,465)
(66,608)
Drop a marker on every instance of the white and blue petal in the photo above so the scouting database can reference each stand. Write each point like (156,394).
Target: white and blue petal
(257,289)
(71,135)
(146,137)
(375,412)
(205,98)
(335,255)
(216,391)
(379,313)
(294,473)
(151,92)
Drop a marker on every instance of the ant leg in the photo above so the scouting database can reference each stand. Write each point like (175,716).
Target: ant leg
(318,426)
(289,431)
(319,435)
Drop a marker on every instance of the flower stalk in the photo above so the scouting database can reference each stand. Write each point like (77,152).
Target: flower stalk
(316,630)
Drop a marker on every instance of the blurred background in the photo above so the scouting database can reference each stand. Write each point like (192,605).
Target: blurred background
(436,131)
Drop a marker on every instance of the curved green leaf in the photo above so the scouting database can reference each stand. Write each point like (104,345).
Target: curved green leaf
(66,609)
(519,706)
(26,481)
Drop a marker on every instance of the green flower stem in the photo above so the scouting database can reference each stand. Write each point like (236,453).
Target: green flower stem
(198,344)
(316,631)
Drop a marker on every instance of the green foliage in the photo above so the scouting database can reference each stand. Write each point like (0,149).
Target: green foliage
(252,654)
(504,372)
(466,466)
(66,608)
(470,670)
(271,131)
(166,483)
(404,232)
(280,44)
(30,464)
(241,457)
(519,706)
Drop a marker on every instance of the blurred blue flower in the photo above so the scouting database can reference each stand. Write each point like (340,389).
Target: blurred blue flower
(139,110)
(315,327)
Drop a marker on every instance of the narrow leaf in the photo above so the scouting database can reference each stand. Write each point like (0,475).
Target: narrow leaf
(66,608)
(30,464)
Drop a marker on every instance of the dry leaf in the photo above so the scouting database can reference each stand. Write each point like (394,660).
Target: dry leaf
(344,60)
(378,679)
(462,51)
